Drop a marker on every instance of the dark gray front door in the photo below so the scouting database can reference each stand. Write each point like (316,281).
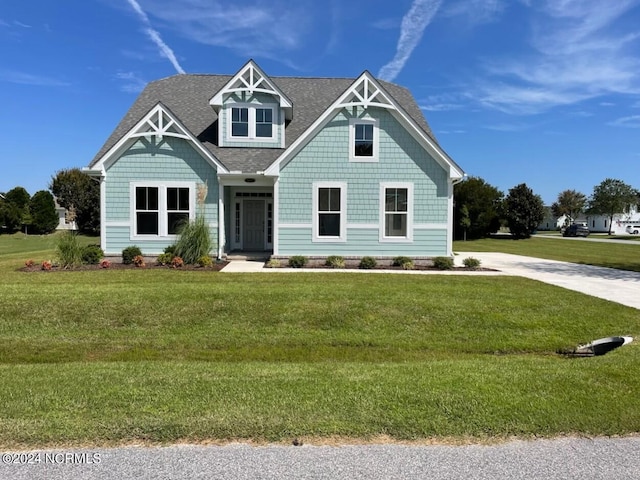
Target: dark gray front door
(253,225)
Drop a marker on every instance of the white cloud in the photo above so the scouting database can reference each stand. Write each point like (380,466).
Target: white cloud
(578,51)
(165,50)
(476,11)
(20,24)
(508,127)
(442,102)
(132,83)
(632,121)
(254,28)
(413,25)
(386,23)
(22,78)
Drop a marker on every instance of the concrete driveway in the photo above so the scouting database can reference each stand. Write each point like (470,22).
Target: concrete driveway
(610,284)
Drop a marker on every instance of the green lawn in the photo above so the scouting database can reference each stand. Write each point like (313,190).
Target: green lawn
(614,255)
(113,356)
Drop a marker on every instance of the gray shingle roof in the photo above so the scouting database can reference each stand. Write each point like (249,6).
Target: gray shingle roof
(187,96)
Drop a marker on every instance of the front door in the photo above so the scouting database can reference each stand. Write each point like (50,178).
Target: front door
(253,225)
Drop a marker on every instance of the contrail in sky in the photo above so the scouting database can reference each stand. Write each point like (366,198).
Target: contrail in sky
(413,25)
(165,51)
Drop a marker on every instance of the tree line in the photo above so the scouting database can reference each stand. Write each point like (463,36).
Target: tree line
(480,209)
(74,190)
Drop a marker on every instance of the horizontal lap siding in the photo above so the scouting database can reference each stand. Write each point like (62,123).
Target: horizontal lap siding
(173,160)
(401,159)
(118,240)
(360,242)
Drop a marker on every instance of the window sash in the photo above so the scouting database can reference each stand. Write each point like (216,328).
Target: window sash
(147,211)
(363,139)
(239,122)
(396,212)
(264,122)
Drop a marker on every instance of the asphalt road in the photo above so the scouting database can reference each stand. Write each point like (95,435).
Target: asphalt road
(566,458)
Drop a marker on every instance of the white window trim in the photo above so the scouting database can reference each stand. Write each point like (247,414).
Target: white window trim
(410,207)
(162,207)
(352,140)
(315,227)
(252,122)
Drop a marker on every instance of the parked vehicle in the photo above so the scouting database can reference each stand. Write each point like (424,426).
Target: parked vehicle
(633,229)
(576,230)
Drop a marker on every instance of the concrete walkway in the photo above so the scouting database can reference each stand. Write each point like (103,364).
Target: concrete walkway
(618,286)
(607,283)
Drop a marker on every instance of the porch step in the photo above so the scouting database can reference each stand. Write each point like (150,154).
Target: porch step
(249,256)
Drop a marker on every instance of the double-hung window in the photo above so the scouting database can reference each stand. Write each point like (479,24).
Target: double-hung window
(363,140)
(396,211)
(160,209)
(329,211)
(147,212)
(240,122)
(252,122)
(264,122)
(177,208)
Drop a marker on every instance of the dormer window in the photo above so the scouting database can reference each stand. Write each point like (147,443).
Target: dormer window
(264,122)
(252,122)
(239,122)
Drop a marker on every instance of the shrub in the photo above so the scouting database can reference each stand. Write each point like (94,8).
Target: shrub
(205,261)
(46,265)
(471,263)
(129,253)
(405,262)
(298,261)
(273,263)
(104,263)
(367,263)
(138,261)
(92,254)
(443,263)
(177,262)
(165,258)
(335,261)
(69,250)
(194,240)
(29,263)
(171,249)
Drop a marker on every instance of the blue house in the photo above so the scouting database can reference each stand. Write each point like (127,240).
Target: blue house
(281,165)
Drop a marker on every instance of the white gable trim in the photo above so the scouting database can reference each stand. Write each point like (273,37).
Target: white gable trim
(158,123)
(252,79)
(367,92)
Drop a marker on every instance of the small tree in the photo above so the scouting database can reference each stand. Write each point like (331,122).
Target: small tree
(44,218)
(19,198)
(612,196)
(76,190)
(523,210)
(570,203)
(10,217)
(482,204)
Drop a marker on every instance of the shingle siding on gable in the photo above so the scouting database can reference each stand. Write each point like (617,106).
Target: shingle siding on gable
(173,160)
(326,158)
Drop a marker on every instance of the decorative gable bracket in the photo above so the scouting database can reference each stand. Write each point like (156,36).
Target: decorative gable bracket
(365,93)
(252,79)
(158,124)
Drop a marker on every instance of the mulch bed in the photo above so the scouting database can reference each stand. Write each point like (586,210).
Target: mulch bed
(215,267)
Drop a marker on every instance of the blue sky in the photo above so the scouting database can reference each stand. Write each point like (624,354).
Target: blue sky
(545,92)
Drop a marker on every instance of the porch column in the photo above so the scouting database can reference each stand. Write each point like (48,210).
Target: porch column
(221,239)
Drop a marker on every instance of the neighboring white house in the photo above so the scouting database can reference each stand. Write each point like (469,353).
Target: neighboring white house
(63,224)
(596,223)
